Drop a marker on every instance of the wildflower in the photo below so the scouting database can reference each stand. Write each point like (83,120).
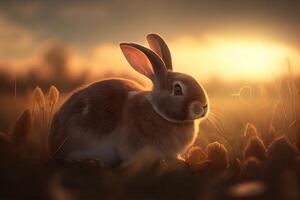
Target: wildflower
(22,128)
(282,150)
(250,131)
(282,155)
(196,155)
(255,148)
(217,155)
(53,96)
(39,97)
(251,168)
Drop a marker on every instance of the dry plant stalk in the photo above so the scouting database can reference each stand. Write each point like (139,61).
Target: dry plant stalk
(293,90)
(196,155)
(282,149)
(283,106)
(272,130)
(40,101)
(217,155)
(15,92)
(255,148)
(53,96)
(39,97)
(250,168)
(250,131)
(21,130)
(214,125)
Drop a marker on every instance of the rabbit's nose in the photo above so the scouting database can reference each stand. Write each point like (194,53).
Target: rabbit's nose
(197,109)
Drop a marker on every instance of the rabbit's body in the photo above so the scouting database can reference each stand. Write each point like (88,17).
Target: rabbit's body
(114,119)
(89,118)
(91,129)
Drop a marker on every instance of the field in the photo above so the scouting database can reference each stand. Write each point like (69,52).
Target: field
(244,55)
(247,148)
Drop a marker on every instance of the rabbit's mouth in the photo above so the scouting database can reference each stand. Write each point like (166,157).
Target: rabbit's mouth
(197,110)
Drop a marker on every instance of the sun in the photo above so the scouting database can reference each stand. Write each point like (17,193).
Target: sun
(251,59)
(232,59)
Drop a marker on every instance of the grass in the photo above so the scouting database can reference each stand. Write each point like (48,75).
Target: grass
(246,149)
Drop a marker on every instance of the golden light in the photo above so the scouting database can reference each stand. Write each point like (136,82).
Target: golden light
(232,59)
(204,58)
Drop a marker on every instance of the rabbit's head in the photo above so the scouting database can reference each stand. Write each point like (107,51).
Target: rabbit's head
(176,97)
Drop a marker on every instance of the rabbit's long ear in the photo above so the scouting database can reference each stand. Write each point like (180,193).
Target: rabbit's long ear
(146,62)
(159,46)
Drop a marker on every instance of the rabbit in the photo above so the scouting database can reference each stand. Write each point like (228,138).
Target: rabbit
(113,119)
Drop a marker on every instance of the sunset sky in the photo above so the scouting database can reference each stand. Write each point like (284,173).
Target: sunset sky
(232,39)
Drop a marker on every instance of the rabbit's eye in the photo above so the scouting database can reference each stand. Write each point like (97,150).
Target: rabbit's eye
(177,90)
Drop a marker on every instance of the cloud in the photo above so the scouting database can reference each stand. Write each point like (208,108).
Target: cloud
(84,12)
(26,9)
(85,23)
(15,40)
(195,30)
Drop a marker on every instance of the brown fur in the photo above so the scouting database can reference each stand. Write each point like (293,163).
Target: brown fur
(105,99)
(143,126)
